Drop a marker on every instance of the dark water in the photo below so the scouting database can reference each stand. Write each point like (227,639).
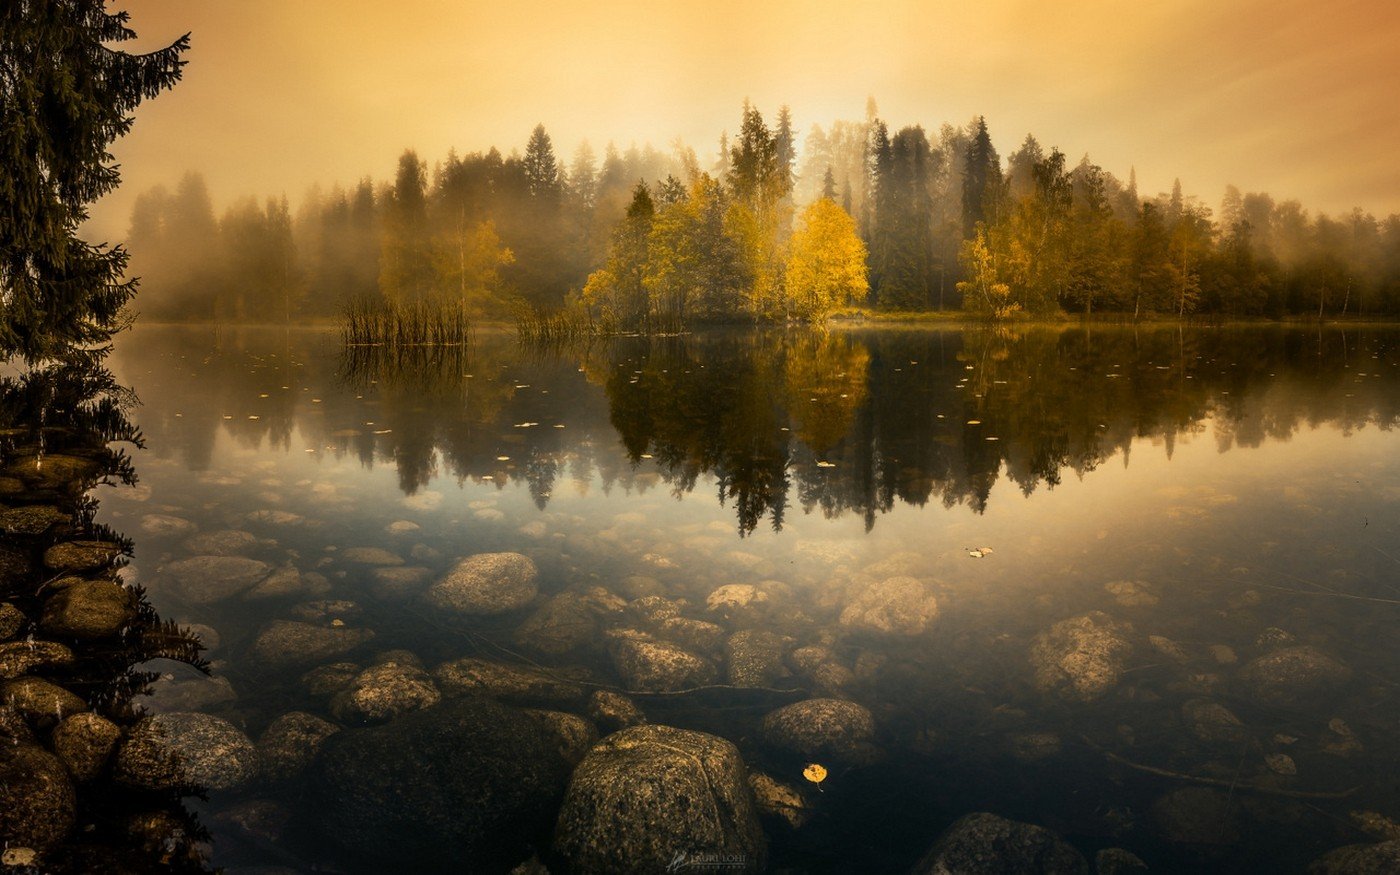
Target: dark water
(1217,494)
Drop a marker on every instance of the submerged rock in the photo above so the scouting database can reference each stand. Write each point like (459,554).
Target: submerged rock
(31,520)
(1378,859)
(37,802)
(1197,816)
(81,555)
(291,742)
(84,742)
(398,582)
(614,711)
(1294,676)
(88,609)
(645,795)
(162,525)
(470,676)
(756,658)
(1081,658)
(194,691)
(486,584)
(21,657)
(284,582)
(573,736)
(203,580)
(1117,861)
(778,800)
(737,601)
(40,702)
(224,542)
(383,692)
(12,620)
(822,730)
(656,667)
(565,623)
(170,751)
(902,606)
(370,556)
(54,470)
(285,644)
(325,680)
(1212,721)
(985,844)
(467,780)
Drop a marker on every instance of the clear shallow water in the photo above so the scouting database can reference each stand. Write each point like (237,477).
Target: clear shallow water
(1238,479)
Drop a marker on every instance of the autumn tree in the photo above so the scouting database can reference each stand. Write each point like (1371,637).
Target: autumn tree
(826,262)
(984,291)
(67,95)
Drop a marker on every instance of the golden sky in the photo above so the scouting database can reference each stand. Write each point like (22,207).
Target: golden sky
(1300,99)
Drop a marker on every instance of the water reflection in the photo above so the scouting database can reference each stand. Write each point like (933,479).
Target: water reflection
(836,423)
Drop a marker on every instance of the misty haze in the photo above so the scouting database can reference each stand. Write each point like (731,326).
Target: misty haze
(627,438)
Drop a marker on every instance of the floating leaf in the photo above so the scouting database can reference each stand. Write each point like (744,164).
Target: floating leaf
(816,773)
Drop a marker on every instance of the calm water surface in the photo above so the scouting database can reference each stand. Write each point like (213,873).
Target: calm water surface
(1216,495)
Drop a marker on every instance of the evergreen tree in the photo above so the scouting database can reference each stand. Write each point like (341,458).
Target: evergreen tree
(66,97)
(981,178)
(541,170)
(406,261)
(829,185)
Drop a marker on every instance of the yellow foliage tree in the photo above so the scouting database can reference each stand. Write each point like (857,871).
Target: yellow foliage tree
(984,291)
(826,262)
(469,261)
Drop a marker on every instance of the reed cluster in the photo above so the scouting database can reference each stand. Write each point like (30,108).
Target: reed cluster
(553,326)
(376,322)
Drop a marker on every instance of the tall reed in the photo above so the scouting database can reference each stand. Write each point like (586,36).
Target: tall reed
(376,322)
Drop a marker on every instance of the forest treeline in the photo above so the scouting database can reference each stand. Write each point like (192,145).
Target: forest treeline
(857,216)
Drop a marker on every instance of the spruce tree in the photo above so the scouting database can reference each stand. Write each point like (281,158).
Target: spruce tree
(65,96)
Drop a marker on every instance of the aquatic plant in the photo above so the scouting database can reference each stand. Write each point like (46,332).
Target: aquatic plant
(369,321)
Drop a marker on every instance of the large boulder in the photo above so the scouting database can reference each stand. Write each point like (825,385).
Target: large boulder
(648,796)
(486,584)
(986,844)
(897,606)
(1293,676)
(1082,658)
(821,730)
(468,781)
(37,803)
(179,749)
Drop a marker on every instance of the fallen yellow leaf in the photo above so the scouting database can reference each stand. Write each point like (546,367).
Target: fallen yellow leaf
(815,773)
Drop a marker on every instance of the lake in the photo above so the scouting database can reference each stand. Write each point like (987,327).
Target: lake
(1136,586)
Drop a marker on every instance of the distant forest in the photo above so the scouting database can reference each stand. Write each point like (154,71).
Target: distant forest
(857,217)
